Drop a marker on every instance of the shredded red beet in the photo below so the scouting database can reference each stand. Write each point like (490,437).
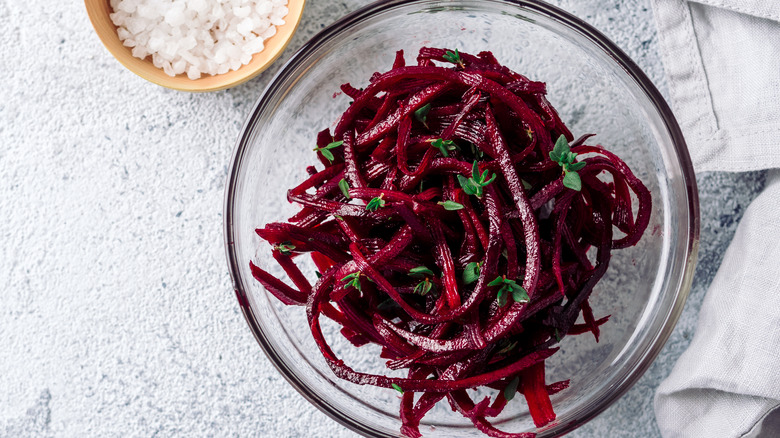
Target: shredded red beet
(451,225)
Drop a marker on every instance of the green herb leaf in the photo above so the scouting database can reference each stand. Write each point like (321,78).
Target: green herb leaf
(420,271)
(423,287)
(453,57)
(471,272)
(476,151)
(451,205)
(397,388)
(557,335)
(327,154)
(285,248)
(561,148)
(519,294)
(509,347)
(325,150)
(498,281)
(563,155)
(318,274)
(421,114)
(511,388)
(468,186)
(572,180)
(444,145)
(474,185)
(526,184)
(502,297)
(353,280)
(375,203)
(344,186)
(483,181)
(509,287)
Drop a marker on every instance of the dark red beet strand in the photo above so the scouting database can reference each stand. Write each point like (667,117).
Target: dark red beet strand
(444,231)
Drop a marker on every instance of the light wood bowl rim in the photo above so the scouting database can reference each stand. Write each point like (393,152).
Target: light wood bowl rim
(99,10)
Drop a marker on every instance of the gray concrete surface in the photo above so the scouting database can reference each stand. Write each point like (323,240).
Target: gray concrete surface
(116,317)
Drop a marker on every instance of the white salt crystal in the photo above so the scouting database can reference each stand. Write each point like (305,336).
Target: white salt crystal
(264,8)
(188,43)
(280,11)
(271,31)
(147,11)
(241,11)
(198,6)
(193,73)
(212,67)
(276,20)
(155,44)
(189,58)
(253,45)
(217,12)
(168,50)
(135,26)
(128,6)
(179,66)
(220,53)
(157,60)
(124,34)
(168,69)
(174,17)
(197,36)
(140,52)
(232,35)
(245,26)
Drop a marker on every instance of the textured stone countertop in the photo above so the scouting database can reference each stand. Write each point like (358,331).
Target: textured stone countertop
(117,316)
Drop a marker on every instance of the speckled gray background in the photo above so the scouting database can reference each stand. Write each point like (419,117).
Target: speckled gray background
(117,317)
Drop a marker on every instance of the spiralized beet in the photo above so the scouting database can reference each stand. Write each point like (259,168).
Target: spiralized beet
(451,225)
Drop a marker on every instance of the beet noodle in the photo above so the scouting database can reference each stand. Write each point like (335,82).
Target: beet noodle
(446,230)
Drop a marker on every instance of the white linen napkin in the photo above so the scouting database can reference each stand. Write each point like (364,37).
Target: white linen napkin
(722,60)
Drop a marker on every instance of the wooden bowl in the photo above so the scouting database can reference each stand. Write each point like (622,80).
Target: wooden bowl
(99,10)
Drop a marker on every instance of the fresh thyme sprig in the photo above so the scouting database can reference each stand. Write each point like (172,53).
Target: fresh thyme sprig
(375,203)
(453,57)
(444,146)
(511,388)
(421,114)
(474,185)
(563,155)
(451,205)
(353,280)
(426,285)
(285,248)
(325,150)
(471,272)
(509,287)
(344,186)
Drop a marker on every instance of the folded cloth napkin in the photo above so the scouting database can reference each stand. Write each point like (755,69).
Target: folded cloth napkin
(722,59)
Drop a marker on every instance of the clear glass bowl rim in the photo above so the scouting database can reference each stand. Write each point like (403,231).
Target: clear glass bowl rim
(589,33)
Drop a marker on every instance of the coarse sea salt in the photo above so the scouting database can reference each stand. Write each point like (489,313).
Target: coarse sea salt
(193,37)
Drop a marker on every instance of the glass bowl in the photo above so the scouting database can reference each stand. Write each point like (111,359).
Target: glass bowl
(595,87)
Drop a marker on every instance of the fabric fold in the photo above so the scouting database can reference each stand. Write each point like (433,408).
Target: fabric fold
(722,61)
(728,379)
